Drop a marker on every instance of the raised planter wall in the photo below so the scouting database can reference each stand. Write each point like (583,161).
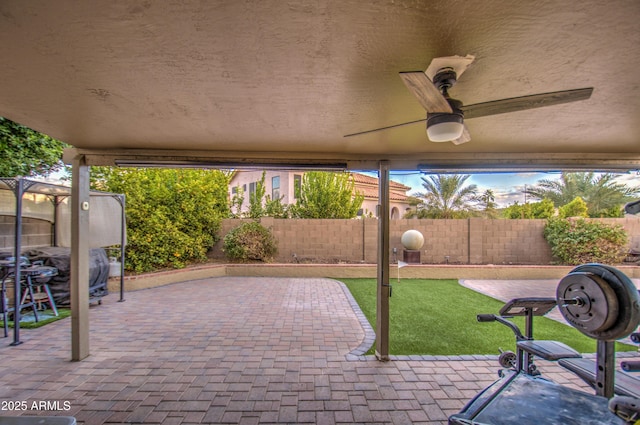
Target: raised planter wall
(204,272)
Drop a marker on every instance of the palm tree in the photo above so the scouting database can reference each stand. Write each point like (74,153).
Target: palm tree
(446,196)
(487,202)
(600,192)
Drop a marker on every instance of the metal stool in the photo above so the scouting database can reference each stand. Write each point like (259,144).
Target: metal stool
(42,274)
(8,266)
(37,276)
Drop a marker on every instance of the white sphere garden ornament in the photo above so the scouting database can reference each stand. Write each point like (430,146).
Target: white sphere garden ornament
(412,239)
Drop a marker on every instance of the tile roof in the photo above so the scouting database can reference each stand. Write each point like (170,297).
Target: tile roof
(368,186)
(363,178)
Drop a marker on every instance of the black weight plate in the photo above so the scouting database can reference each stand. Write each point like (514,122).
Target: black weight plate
(507,359)
(628,301)
(634,301)
(598,303)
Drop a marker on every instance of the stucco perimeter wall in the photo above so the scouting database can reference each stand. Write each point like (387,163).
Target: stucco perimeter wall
(465,241)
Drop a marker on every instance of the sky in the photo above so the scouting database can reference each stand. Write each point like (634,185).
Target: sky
(507,187)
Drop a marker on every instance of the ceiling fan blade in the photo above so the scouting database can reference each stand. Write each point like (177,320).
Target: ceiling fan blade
(464,138)
(384,128)
(525,102)
(427,94)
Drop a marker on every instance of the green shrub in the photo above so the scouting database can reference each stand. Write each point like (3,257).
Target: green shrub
(576,208)
(542,209)
(579,241)
(613,212)
(173,215)
(250,241)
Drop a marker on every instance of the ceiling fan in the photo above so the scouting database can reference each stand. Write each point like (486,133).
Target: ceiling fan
(445,115)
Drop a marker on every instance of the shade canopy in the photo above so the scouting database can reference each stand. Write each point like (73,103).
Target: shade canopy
(51,202)
(134,81)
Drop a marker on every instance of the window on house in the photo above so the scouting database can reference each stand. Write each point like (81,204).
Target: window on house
(297,185)
(252,188)
(275,187)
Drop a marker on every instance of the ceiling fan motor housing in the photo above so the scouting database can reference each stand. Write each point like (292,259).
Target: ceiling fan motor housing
(444,79)
(450,124)
(456,116)
(436,118)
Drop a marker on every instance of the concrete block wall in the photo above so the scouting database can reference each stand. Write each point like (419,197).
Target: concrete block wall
(512,242)
(475,240)
(330,241)
(35,233)
(444,240)
(466,241)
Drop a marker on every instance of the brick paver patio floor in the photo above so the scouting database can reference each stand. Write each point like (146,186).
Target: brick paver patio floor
(236,350)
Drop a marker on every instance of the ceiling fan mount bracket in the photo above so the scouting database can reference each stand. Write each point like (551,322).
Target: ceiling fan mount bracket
(444,79)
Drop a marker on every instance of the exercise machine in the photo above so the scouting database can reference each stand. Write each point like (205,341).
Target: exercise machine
(602,303)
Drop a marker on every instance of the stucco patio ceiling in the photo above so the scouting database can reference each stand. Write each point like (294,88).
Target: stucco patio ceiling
(284,81)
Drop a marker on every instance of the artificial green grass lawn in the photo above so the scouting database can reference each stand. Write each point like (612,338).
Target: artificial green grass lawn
(438,317)
(45,317)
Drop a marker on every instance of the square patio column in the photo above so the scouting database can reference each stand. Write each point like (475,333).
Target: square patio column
(79,259)
(384,288)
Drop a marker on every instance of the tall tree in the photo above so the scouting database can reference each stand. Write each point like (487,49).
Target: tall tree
(327,195)
(487,202)
(603,195)
(256,199)
(27,153)
(446,196)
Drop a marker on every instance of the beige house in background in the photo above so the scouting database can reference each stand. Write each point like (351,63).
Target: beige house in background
(283,184)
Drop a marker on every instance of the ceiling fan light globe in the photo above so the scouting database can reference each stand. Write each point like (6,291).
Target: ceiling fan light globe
(444,127)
